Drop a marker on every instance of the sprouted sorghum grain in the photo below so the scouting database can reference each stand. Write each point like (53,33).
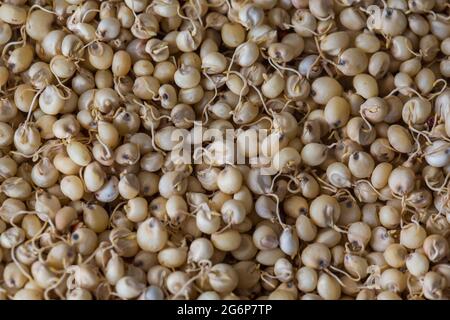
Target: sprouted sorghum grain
(224,149)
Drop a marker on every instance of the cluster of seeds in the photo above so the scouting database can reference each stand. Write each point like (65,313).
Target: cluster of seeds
(346,197)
